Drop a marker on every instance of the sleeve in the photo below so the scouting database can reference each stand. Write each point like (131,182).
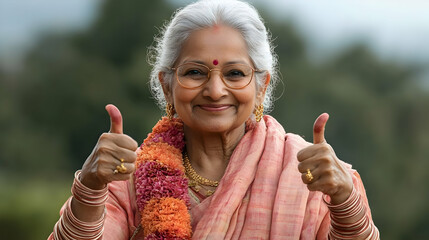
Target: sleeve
(120,220)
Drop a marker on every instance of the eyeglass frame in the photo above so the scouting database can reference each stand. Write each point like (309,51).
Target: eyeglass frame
(214,69)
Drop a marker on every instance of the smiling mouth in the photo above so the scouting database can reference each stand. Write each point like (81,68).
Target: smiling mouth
(214,108)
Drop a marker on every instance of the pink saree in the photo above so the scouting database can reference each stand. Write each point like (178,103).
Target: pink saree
(261,195)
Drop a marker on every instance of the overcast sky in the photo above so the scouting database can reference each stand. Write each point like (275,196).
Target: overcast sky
(394,28)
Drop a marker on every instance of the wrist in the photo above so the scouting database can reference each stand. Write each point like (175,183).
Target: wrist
(345,207)
(90,181)
(86,195)
(342,195)
(349,219)
(340,198)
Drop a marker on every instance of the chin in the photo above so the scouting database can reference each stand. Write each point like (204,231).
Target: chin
(216,125)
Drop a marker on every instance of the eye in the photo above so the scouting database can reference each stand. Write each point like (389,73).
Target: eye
(191,72)
(235,73)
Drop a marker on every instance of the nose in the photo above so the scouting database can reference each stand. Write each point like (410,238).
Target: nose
(215,88)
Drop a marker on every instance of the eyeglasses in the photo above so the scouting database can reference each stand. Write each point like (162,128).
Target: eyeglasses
(195,75)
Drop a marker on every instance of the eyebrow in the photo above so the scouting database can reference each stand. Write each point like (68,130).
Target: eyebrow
(203,63)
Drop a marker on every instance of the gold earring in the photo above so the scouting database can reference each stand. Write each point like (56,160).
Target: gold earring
(169,109)
(259,112)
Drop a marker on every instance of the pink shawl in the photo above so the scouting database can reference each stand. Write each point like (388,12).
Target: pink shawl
(261,195)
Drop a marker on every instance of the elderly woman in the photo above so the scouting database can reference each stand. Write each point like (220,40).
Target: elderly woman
(215,167)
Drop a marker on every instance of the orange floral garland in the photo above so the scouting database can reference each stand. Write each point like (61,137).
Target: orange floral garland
(161,184)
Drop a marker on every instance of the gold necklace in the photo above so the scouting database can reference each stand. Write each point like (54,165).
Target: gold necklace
(194,176)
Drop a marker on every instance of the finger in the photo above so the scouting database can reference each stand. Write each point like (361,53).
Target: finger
(323,184)
(314,173)
(319,128)
(111,172)
(128,168)
(310,164)
(125,141)
(117,174)
(127,156)
(115,119)
(320,151)
(314,186)
(317,183)
(307,152)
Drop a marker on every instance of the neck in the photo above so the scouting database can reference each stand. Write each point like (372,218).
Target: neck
(209,153)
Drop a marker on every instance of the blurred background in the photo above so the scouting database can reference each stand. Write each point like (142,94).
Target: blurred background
(364,62)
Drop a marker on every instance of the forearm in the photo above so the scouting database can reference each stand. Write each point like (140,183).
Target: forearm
(84,213)
(87,204)
(350,220)
(69,227)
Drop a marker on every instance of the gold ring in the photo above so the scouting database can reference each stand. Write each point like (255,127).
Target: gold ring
(122,160)
(121,168)
(115,171)
(309,175)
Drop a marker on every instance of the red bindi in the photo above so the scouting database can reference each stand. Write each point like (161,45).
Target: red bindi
(215,62)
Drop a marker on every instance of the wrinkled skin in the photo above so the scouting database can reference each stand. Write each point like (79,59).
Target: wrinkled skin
(329,175)
(98,169)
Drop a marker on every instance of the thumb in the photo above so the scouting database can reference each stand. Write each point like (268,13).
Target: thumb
(115,119)
(319,128)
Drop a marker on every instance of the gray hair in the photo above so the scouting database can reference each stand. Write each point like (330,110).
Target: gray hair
(206,13)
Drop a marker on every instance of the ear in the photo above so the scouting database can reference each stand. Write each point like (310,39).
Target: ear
(261,94)
(166,87)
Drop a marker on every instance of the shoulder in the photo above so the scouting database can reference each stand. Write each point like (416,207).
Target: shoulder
(296,141)
(292,140)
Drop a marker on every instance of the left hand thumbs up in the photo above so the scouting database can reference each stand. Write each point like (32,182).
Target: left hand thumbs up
(320,168)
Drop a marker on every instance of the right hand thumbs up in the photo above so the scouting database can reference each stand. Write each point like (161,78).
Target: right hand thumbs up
(113,156)
(115,119)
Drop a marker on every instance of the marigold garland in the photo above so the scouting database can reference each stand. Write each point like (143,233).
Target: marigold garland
(166,217)
(162,153)
(161,185)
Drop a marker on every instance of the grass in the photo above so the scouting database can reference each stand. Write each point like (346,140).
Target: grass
(29,208)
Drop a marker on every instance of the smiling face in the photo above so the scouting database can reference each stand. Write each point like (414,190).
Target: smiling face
(214,107)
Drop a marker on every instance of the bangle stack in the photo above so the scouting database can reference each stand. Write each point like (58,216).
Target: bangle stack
(351,208)
(69,227)
(86,195)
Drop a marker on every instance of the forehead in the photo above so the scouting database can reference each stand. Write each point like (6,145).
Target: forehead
(221,43)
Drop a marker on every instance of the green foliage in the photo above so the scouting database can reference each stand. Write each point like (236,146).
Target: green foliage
(54,113)
(29,209)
